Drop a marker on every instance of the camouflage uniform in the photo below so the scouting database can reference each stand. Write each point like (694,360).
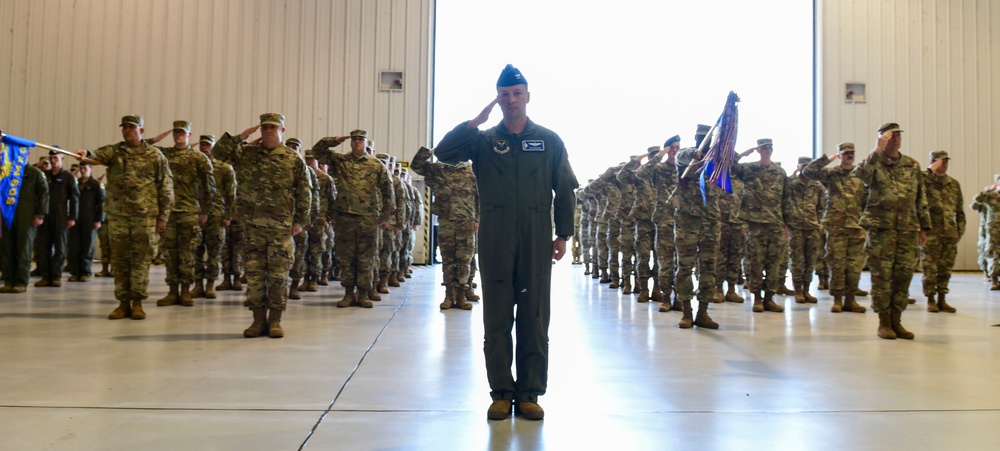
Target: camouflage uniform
(194,192)
(947,212)
(321,224)
(302,240)
(140,193)
(803,203)
(456,204)
(583,227)
(625,238)
(276,197)
(895,213)
(644,230)
(662,176)
(610,230)
(733,241)
(845,239)
(988,201)
(767,245)
(213,234)
(364,195)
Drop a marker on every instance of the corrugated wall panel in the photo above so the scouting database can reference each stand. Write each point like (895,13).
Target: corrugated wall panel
(930,65)
(69,69)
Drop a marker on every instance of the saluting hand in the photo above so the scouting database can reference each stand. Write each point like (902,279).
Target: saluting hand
(296,229)
(246,133)
(161,226)
(882,142)
(483,115)
(202,219)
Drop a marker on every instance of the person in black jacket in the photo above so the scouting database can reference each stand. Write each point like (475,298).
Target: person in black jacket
(17,239)
(83,236)
(63,198)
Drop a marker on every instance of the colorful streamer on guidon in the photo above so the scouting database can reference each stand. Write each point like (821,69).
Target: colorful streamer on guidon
(722,144)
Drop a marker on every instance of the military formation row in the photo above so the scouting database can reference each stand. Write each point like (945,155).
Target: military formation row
(657,219)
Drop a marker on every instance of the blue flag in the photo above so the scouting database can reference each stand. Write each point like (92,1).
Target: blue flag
(13,157)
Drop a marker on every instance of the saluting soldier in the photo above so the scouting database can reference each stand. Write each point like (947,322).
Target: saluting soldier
(213,233)
(804,199)
(937,257)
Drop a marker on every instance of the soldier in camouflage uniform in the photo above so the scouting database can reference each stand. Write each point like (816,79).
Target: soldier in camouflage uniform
(897,221)
(803,203)
(575,247)
(732,244)
(275,209)
(395,233)
(845,239)
(301,241)
(194,193)
(140,195)
(612,195)
(947,209)
(661,172)
(988,204)
(583,225)
(594,201)
(696,235)
(642,214)
(625,238)
(416,220)
(364,204)
(764,188)
(456,204)
(321,225)
(213,233)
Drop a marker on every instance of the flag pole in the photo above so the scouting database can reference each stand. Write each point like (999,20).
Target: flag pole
(64,152)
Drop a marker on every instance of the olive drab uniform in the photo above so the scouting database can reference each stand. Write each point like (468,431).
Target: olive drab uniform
(364,195)
(733,242)
(318,233)
(609,225)
(644,231)
(626,236)
(803,204)
(273,197)
(937,258)
(456,204)
(301,241)
(18,240)
(140,192)
(895,211)
(988,202)
(213,234)
(525,182)
(83,235)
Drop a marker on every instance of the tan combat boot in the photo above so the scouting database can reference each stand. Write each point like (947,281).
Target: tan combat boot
(274,324)
(210,289)
(324,280)
(809,297)
(185,296)
(897,327)
(171,298)
(996,284)
(448,298)
(293,290)
(366,302)
(732,295)
(470,295)
(860,292)
(199,289)
(943,306)
(586,269)
(677,306)
(459,299)
(758,302)
(237,283)
(799,297)
(349,298)
(885,326)
(313,285)
(655,294)
(598,273)
(718,297)
(643,292)
(226,285)
(770,305)
(627,285)
(783,290)
(104,270)
(382,285)
(824,283)
(850,305)
(932,304)
(137,311)
(687,321)
(259,325)
(615,280)
(304,286)
(838,305)
(702,319)
(394,279)
(124,310)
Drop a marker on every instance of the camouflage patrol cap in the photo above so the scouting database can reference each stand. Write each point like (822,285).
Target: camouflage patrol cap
(133,119)
(939,155)
(889,127)
(652,149)
(293,142)
(359,132)
(845,147)
(382,156)
(277,119)
(702,130)
(207,139)
(765,142)
(804,161)
(674,139)
(182,125)
(308,153)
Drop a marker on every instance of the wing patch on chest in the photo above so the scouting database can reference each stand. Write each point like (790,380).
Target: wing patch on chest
(533,145)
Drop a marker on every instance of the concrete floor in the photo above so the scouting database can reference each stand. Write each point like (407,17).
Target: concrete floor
(405,375)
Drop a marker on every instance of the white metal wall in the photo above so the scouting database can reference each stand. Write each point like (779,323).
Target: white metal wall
(69,69)
(930,65)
